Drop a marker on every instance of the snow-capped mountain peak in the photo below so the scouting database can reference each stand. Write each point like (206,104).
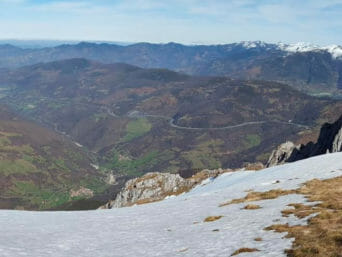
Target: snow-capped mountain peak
(252,44)
(334,50)
(298,47)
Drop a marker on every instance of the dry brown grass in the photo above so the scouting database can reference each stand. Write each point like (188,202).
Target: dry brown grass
(322,236)
(254,166)
(245,250)
(200,176)
(281,228)
(161,197)
(212,218)
(299,210)
(257,196)
(251,207)
(146,200)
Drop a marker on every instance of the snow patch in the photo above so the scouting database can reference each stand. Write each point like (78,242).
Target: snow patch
(95,166)
(334,50)
(252,44)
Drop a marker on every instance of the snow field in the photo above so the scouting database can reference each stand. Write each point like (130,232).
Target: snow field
(173,227)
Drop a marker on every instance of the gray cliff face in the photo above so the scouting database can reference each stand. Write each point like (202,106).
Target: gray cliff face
(151,187)
(337,144)
(329,141)
(156,186)
(281,154)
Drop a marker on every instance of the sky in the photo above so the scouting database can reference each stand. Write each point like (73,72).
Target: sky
(183,21)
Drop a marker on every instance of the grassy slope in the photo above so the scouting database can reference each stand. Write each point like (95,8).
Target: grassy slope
(322,236)
(39,168)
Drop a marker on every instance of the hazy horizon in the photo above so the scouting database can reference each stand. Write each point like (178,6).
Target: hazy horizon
(38,43)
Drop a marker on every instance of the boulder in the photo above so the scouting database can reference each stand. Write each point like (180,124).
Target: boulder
(155,186)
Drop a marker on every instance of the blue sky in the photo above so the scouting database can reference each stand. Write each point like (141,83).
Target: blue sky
(184,21)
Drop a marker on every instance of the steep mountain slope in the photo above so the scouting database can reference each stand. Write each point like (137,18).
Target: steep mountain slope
(40,169)
(203,222)
(142,120)
(310,68)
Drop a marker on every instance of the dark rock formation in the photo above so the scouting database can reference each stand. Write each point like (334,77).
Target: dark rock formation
(329,141)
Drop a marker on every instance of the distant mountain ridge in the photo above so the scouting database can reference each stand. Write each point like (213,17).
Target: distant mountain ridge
(307,67)
(36,44)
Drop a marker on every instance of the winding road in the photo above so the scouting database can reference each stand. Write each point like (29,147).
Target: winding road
(137,114)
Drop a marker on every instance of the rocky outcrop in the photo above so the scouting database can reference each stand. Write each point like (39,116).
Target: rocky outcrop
(337,144)
(330,138)
(81,192)
(329,141)
(156,186)
(281,154)
(111,179)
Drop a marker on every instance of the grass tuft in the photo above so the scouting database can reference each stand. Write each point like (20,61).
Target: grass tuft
(258,196)
(212,218)
(245,250)
(251,207)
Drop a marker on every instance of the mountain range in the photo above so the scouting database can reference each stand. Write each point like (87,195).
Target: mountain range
(139,120)
(314,69)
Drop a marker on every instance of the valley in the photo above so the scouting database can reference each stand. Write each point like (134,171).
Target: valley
(131,121)
(140,120)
